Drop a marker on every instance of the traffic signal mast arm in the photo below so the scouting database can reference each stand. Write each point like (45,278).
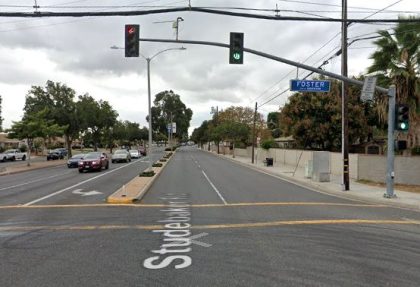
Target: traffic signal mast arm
(268,56)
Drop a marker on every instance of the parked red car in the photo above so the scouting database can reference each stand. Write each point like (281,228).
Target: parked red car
(94,161)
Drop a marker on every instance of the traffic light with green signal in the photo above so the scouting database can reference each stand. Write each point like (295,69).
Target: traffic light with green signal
(402,117)
(236,50)
(132,33)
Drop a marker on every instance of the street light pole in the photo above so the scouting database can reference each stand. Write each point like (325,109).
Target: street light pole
(149,152)
(148,60)
(149,93)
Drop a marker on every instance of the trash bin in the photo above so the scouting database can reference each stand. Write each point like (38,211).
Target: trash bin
(269,161)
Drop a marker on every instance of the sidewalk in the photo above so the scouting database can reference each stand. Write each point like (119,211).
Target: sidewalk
(358,191)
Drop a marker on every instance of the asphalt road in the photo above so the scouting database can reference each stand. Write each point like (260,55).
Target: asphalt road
(206,221)
(19,162)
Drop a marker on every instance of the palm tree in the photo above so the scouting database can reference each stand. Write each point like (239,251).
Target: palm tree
(397,61)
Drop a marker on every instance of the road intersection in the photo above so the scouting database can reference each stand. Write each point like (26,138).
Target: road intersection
(220,224)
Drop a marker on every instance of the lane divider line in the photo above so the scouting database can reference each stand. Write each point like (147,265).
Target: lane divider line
(214,187)
(76,185)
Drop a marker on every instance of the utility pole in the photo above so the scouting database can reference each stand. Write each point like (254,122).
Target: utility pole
(253,132)
(344,101)
(216,122)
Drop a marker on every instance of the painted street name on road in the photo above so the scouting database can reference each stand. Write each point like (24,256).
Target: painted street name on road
(176,235)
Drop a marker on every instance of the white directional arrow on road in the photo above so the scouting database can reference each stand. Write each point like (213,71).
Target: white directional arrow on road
(87,193)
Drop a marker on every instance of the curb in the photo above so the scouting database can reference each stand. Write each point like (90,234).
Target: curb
(120,197)
(323,190)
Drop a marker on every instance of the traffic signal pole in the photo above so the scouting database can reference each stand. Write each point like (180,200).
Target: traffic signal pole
(390,92)
(390,152)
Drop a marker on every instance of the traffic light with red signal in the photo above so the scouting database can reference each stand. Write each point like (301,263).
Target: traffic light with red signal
(132,33)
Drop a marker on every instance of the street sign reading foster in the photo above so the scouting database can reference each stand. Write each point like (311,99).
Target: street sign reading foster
(309,86)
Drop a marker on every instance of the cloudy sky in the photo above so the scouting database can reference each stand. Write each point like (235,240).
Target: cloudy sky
(76,51)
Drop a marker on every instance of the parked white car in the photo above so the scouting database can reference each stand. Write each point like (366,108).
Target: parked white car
(12,155)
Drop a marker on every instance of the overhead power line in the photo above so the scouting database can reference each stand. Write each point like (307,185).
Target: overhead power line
(338,52)
(196,9)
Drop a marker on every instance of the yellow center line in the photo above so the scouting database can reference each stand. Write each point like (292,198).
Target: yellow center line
(212,226)
(242,204)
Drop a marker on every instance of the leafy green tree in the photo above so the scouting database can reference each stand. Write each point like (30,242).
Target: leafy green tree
(58,102)
(201,134)
(168,106)
(95,117)
(35,125)
(244,115)
(396,61)
(233,131)
(314,119)
(273,124)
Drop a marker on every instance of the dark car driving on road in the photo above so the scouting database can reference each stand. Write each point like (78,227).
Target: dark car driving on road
(54,154)
(94,161)
(74,160)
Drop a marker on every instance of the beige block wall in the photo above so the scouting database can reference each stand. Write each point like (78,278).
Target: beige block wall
(373,167)
(336,164)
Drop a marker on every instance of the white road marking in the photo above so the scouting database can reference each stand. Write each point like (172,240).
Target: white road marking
(76,185)
(77,191)
(33,181)
(215,189)
(203,244)
(87,193)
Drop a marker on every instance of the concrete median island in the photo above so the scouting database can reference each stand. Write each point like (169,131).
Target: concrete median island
(135,189)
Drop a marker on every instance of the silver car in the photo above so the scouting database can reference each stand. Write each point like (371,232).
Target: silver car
(134,153)
(121,155)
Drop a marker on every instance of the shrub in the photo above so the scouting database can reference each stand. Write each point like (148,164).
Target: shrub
(163,160)
(23,148)
(157,164)
(415,150)
(147,173)
(268,144)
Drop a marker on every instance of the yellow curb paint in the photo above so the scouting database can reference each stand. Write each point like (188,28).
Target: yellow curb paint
(215,226)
